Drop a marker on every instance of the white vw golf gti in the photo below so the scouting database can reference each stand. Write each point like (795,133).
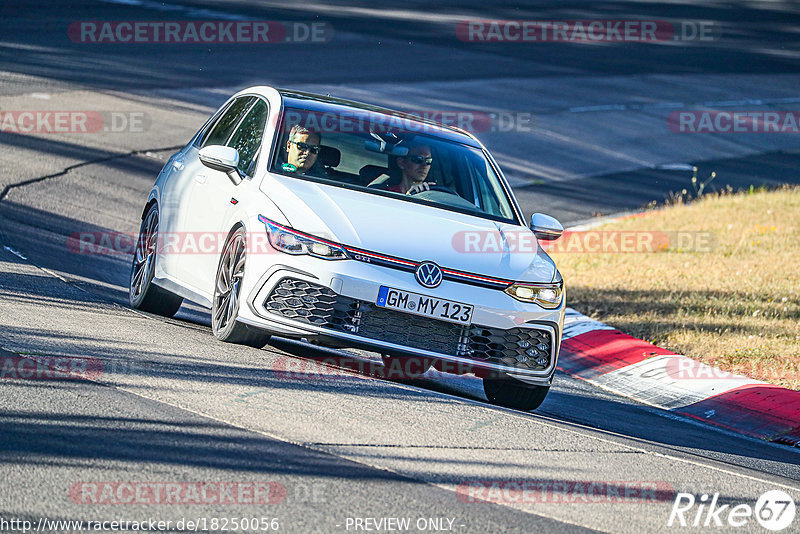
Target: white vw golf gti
(351,225)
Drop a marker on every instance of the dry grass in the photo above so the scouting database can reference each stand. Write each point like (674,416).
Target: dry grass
(736,306)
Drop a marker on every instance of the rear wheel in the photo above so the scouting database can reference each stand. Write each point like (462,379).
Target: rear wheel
(512,393)
(227,293)
(142,293)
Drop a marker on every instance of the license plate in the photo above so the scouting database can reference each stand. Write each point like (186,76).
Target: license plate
(435,308)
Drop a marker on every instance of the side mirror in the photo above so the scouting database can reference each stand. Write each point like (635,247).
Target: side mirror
(224,159)
(545,227)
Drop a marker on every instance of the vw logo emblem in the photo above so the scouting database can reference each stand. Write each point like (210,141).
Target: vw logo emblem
(428,274)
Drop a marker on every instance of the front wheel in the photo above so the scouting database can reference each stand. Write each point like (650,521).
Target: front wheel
(512,393)
(142,292)
(227,292)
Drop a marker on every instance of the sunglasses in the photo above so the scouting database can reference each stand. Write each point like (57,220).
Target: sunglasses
(419,160)
(305,147)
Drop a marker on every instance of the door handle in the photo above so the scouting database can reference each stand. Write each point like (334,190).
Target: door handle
(200,178)
(178,164)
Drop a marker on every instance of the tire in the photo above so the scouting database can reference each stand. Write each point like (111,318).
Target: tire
(405,367)
(227,289)
(511,393)
(142,293)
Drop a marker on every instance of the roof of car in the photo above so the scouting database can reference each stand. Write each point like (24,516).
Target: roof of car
(323,103)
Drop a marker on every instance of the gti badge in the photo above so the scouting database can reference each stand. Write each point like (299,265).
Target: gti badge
(428,274)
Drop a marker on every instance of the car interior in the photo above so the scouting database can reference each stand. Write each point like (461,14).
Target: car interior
(459,175)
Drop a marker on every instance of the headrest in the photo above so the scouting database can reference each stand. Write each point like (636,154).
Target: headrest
(329,156)
(369,172)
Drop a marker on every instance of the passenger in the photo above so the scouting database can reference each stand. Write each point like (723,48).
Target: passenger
(414,168)
(302,152)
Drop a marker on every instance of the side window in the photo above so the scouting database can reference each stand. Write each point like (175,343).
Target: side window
(201,135)
(247,138)
(222,130)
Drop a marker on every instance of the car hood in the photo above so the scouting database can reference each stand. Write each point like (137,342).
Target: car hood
(411,231)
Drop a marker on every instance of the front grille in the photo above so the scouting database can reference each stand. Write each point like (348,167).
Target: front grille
(409,330)
(516,347)
(524,348)
(313,304)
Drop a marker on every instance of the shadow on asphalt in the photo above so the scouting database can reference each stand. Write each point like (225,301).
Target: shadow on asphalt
(42,235)
(298,366)
(746,38)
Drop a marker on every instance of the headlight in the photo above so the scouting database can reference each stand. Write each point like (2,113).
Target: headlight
(291,241)
(545,295)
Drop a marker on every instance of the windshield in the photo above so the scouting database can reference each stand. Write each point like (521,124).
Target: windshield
(389,156)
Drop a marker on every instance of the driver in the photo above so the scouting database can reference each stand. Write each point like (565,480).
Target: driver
(302,151)
(415,167)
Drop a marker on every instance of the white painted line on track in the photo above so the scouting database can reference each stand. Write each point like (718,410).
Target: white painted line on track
(671,105)
(15,253)
(176,8)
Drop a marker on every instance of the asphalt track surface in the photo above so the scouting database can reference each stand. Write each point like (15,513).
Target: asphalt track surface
(174,405)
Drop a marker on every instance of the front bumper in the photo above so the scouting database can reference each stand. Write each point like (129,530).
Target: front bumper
(521,340)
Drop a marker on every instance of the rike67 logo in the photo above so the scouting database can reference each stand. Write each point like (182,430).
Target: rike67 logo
(774,510)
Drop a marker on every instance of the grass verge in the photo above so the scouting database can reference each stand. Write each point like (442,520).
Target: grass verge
(717,280)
